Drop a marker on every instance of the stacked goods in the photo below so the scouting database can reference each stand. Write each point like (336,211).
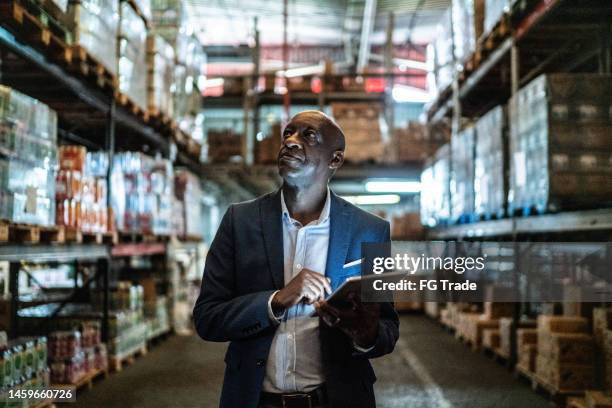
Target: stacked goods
(76,352)
(156,316)
(53,6)
(266,150)
(464,28)
(407,226)
(455,310)
(360,123)
(435,193)
(602,320)
(160,75)
(527,349)
(551,168)
(432,309)
(565,353)
(81,189)
(496,310)
(440,56)
(427,197)
(96,24)
(124,296)
(494,11)
(462,175)
(472,325)
(132,56)
(171,21)
(28,159)
(23,364)
(505,332)
(490,338)
(188,191)
(489,163)
(142,193)
(224,145)
(412,144)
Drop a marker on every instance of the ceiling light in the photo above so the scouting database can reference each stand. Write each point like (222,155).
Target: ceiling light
(393,186)
(213,82)
(379,199)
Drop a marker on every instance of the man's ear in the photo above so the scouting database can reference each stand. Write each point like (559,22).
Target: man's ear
(337,160)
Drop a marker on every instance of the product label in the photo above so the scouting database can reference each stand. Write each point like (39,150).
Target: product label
(31,200)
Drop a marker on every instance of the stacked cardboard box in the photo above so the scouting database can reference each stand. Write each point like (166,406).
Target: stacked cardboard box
(489,165)
(494,11)
(464,28)
(462,174)
(496,310)
(96,24)
(361,126)
(551,168)
(491,338)
(28,159)
(602,322)
(440,57)
(505,331)
(224,145)
(472,325)
(432,309)
(160,75)
(435,192)
(132,68)
(527,349)
(188,192)
(407,227)
(565,353)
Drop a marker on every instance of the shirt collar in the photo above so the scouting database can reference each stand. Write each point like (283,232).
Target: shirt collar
(324,216)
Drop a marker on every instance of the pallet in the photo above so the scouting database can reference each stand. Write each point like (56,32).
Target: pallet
(117,363)
(53,234)
(523,372)
(190,238)
(500,356)
(24,234)
(4,232)
(135,237)
(37,34)
(558,396)
(87,380)
(89,66)
(127,103)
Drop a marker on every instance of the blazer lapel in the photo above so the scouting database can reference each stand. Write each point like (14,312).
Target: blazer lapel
(339,236)
(270,211)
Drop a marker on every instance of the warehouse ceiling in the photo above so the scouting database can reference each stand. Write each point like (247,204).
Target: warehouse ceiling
(312,22)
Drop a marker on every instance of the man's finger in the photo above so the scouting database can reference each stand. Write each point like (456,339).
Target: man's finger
(324,282)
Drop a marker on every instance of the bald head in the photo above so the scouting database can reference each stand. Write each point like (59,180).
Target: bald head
(334,137)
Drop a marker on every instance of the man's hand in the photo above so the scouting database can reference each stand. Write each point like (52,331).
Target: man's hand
(359,321)
(308,285)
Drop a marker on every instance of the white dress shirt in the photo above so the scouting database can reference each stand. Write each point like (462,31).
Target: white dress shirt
(294,363)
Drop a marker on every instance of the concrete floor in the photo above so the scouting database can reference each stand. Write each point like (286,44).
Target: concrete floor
(429,369)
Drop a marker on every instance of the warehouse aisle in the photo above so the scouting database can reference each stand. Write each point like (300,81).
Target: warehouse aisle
(428,369)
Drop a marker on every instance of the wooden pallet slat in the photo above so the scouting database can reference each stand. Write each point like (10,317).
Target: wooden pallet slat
(117,363)
(53,234)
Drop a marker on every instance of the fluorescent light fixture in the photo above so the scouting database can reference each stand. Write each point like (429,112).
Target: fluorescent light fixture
(375,199)
(403,93)
(393,186)
(214,82)
(301,71)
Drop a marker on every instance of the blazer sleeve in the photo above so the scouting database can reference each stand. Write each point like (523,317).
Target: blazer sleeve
(219,314)
(388,326)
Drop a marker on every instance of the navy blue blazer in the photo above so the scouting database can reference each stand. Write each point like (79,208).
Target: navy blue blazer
(244,266)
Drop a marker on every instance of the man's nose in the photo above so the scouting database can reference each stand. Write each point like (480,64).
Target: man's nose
(293,141)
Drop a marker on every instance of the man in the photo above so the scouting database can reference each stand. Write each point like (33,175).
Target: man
(269,268)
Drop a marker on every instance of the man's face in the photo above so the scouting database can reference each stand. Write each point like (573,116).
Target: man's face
(306,149)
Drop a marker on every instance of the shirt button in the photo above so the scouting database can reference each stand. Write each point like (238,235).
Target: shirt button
(260,362)
(298,266)
(290,336)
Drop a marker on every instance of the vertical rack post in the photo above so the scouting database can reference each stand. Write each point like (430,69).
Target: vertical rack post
(14,290)
(517,310)
(389,77)
(104,265)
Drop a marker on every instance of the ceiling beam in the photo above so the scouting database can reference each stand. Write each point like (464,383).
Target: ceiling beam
(367,25)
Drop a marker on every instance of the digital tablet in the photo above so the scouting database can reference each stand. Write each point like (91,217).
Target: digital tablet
(340,297)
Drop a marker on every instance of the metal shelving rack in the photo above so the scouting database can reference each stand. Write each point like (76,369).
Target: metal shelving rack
(537,40)
(543,36)
(87,115)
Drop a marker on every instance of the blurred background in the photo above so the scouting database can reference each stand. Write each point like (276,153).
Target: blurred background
(127,127)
